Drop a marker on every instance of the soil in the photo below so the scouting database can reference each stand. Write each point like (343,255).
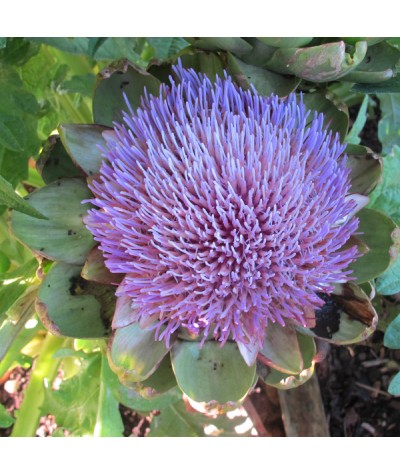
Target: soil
(354,382)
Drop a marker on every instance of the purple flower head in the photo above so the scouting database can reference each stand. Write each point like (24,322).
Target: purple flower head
(225,210)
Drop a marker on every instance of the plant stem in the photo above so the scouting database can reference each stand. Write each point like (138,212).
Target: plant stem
(303,411)
(44,370)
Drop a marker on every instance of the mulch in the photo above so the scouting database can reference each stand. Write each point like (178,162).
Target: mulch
(354,382)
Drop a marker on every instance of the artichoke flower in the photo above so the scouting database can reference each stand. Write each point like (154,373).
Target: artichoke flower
(221,231)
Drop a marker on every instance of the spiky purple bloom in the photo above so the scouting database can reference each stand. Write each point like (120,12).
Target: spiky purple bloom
(224,209)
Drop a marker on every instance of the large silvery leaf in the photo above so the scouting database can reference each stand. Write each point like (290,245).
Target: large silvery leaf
(378,65)
(234,45)
(63,236)
(387,86)
(326,62)
(83,143)
(135,354)
(284,42)
(392,334)
(386,196)
(114,82)
(211,373)
(389,124)
(71,306)
(207,63)
(266,82)
(346,317)
(394,386)
(380,235)
(389,282)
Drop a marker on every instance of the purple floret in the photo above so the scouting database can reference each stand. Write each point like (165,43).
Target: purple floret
(225,210)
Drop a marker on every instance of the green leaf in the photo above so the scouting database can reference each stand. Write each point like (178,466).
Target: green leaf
(13,354)
(44,370)
(63,236)
(389,125)
(135,353)
(116,48)
(108,418)
(379,234)
(11,328)
(71,306)
(379,64)
(84,404)
(285,42)
(389,282)
(14,168)
(12,133)
(82,84)
(260,53)
(6,420)
(394,386)
(359,123)
(335,118)
(9,198)
(388,86)
(386,196)
(55,163)
(4,263)
(326,62)
(176,421)
(207,63)
(27,270)
(17,51)
(371,40)
(82,143)
(211,373)
(122,78)
(167,47)
(265,82)
(392,334)
(233,45)
(76,45)
(9,294)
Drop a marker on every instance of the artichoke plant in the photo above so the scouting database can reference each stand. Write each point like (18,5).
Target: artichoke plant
(212,223)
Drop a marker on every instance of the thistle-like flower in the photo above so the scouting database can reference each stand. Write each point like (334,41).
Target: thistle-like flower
(225,210)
